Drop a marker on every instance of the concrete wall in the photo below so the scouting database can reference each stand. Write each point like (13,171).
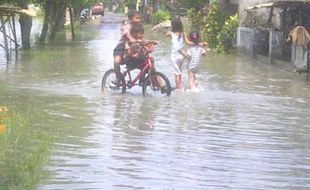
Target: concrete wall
(261,13)
(245,40)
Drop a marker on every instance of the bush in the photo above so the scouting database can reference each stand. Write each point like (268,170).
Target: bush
(196,18)
(227,36)
(160,16)
(214,23)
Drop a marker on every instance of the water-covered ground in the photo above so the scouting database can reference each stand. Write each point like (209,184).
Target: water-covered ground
(248,128)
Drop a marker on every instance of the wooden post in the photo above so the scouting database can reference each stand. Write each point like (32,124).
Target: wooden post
(6,48)
(14,33)
(71,22)
(270,16)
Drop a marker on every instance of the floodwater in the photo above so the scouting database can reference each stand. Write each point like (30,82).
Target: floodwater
(248,127)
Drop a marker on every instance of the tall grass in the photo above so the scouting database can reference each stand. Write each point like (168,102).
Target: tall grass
(23,150)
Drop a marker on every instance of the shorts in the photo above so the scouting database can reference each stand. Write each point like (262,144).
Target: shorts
(177,62)
(134,63)
(119,50)
(193,68)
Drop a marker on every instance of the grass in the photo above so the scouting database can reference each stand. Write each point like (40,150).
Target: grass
(23,150)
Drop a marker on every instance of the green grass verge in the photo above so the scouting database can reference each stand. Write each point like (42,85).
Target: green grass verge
(23,150)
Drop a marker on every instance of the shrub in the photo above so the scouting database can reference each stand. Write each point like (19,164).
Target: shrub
(160,16)
(196,18)
(227,36)
(214,23)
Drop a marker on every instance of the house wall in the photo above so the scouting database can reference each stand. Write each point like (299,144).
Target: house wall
(229,6)
(262,13)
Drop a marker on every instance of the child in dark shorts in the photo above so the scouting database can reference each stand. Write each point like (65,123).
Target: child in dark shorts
(135,52)
(119,50)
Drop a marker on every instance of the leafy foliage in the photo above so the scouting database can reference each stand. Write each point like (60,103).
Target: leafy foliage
(161,16)
(218,30)
(214,23)
(227,36)
(197,18)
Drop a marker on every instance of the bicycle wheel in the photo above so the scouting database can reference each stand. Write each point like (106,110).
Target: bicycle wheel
(110,84)
(156,84)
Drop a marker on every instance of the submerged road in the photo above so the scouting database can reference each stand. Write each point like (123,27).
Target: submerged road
(248,128)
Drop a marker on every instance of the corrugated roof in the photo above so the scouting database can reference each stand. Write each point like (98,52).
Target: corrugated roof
(279,3)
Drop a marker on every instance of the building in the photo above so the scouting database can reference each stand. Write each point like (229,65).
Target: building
(266,29)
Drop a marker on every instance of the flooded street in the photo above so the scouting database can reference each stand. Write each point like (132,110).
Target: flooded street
(248,128)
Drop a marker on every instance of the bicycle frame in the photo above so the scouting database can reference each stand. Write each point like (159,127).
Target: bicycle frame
(146,66)
(151,81)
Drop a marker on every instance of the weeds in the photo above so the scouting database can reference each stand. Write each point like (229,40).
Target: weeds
(23,152)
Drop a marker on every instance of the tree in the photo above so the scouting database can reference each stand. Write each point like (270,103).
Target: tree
(54,11)
(53,16)
(46,21)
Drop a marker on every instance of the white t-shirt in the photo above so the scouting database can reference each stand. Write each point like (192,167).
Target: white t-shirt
(177,43)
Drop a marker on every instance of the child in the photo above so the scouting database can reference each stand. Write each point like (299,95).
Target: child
(132,49)
(134,52)
(177,42)
(194,53)
(133,17)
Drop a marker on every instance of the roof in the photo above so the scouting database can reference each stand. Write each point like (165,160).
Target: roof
(279,3)
(6,10)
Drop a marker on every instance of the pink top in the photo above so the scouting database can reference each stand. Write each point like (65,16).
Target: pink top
(125,29)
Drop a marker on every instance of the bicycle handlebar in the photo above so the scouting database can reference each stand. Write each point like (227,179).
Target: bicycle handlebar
(147,46)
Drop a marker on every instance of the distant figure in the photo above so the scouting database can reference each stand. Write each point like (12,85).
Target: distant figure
(300,40)
(157,5)
(300,36)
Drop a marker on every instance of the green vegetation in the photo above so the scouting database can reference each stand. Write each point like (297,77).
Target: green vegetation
(214,23)
(160,16)
(2,89)
(23,150)
(197,18)
(216,28)
(227,36)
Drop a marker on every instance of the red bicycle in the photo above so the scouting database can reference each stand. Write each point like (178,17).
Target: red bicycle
(153,83)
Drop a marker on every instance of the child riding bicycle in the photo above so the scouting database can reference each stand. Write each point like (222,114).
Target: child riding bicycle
(137,56)
(133,17)
(135,51)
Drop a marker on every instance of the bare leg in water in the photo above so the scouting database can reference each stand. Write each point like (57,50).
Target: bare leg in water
(178,81)
(117,67)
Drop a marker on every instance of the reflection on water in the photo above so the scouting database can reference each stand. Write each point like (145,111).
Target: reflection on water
(247,129)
